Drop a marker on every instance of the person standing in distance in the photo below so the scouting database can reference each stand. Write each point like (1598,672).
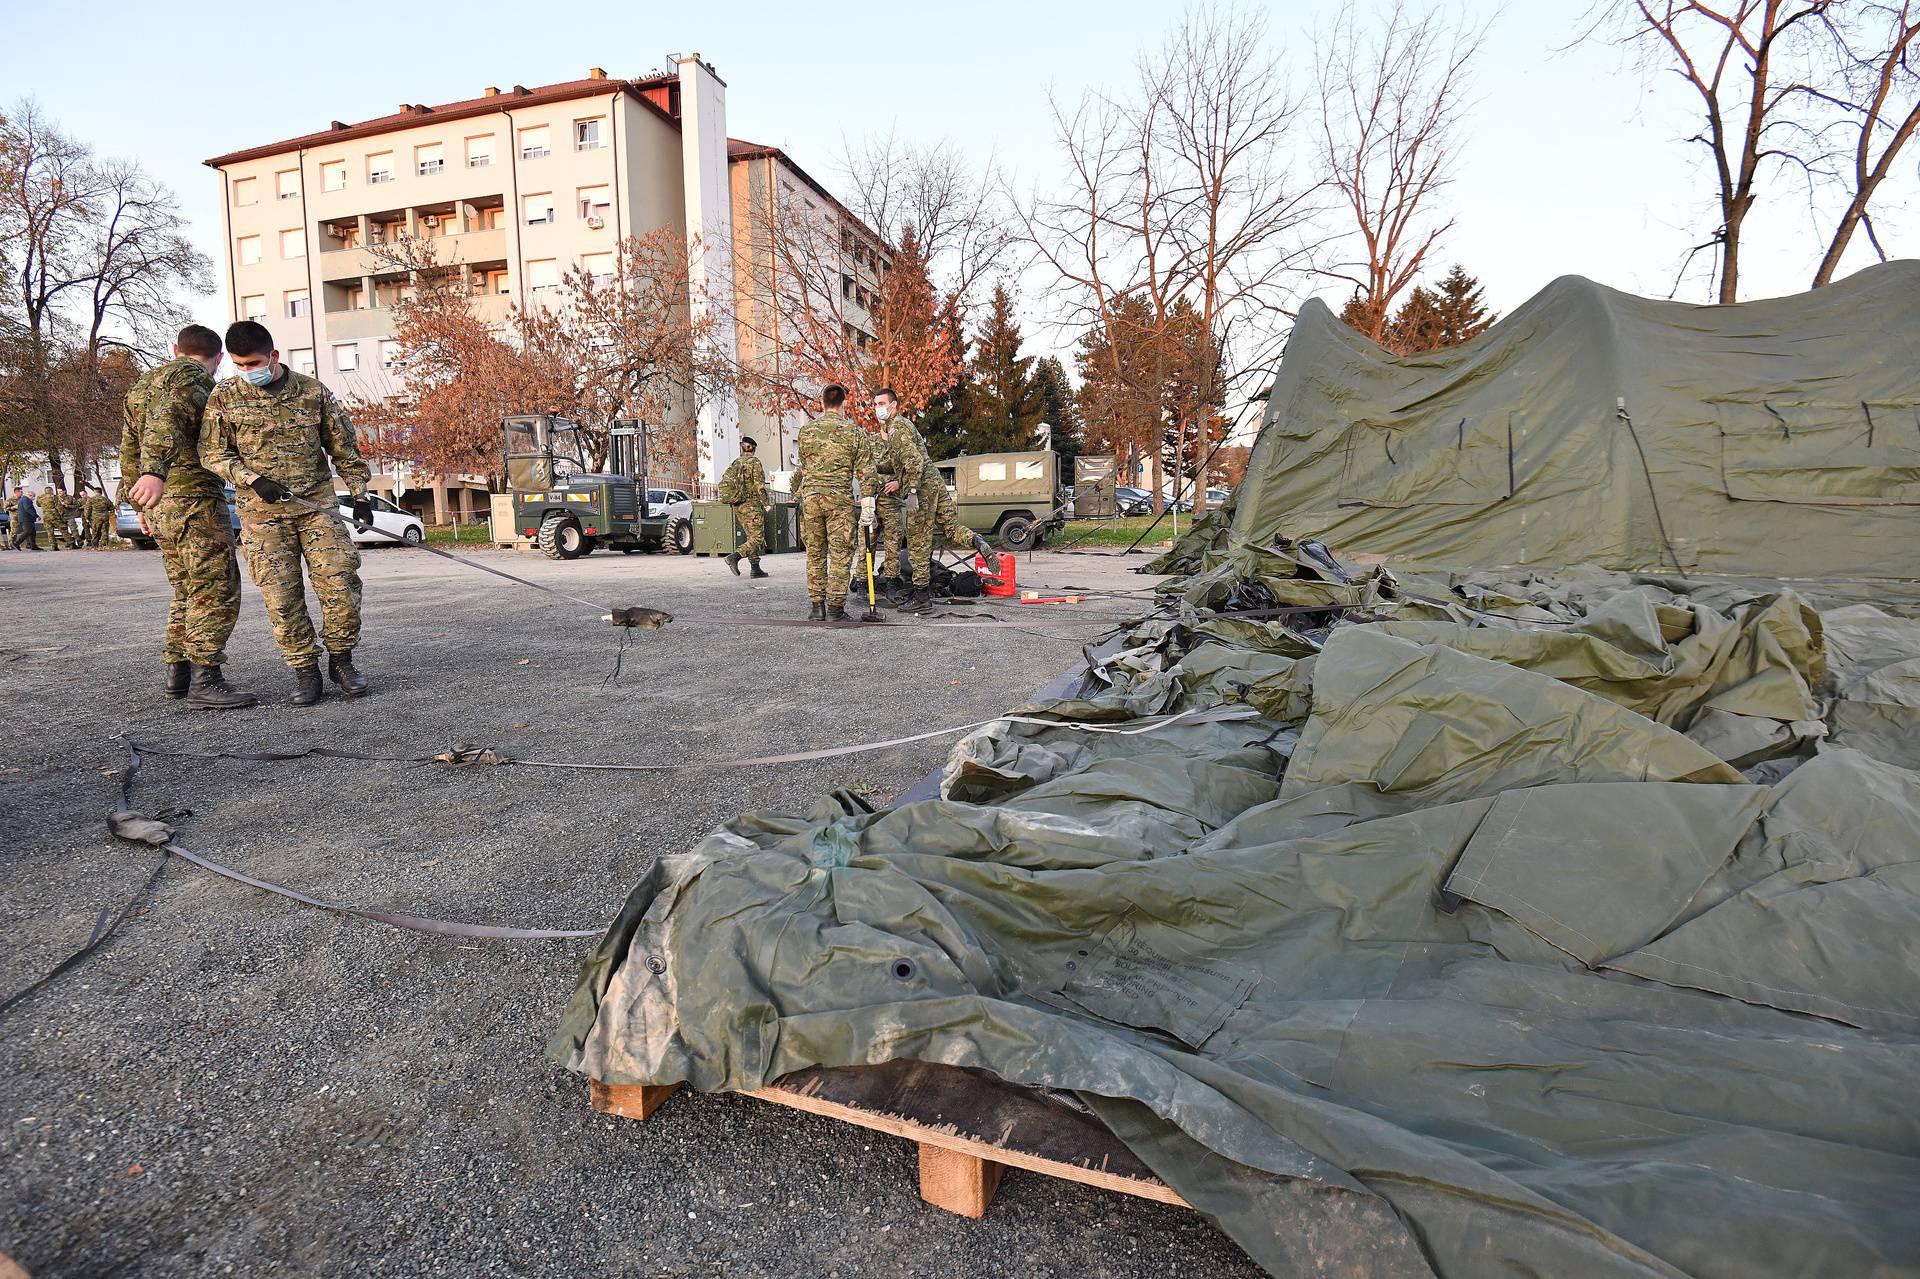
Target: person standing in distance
(271,433)
(744,488)
(184,507)
(930,510)
(833,453)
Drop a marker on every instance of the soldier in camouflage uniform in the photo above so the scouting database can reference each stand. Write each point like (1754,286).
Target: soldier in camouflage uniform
(902,454)
(833,454)
(11,504)
(53,514)
(932,509)
(270,433)
(744,488)
(99,516)
(184,507)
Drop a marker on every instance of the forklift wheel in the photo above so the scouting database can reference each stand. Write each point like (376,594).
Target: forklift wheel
(680,537)
(560,537)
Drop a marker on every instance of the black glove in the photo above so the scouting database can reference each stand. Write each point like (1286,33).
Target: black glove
(270,490)
(363,511)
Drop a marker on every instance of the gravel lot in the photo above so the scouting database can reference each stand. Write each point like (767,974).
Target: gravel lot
(238,1085)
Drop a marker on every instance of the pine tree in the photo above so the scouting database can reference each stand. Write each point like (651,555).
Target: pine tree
(943,424)
(1059,412)
(1006,403)
(1415,327)
(1460,307)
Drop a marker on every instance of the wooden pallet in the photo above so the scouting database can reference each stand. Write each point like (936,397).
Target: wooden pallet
(969,1126)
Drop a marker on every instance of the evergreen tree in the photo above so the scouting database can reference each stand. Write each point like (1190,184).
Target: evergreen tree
(1460,306)
(1006,405)
(943,423)
(1059,413)
(1415,327)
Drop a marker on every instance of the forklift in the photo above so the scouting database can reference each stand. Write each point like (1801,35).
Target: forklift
(570,511)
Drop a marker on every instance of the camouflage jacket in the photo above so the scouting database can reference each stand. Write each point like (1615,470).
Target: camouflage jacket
(52,505)
(162,432)
(97,507)
(902,453)
(287,432)
(833,452)
(745,482)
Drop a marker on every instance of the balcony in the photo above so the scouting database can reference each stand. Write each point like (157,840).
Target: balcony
(350,326)
(461,247)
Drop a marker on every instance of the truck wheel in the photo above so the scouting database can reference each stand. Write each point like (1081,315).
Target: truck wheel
(560,537)
(680,537)
(1018,533)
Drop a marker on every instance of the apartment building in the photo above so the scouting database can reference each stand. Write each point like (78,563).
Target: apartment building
(521,184)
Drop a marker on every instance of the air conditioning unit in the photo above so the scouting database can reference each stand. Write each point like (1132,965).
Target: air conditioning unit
(432,219)
(596,222)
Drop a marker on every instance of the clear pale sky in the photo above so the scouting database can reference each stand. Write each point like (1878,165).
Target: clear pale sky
(1571,161)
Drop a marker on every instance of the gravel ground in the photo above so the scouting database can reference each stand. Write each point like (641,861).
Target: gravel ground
(238,1085)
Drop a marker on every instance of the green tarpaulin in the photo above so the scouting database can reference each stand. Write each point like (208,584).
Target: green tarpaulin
(1476,923)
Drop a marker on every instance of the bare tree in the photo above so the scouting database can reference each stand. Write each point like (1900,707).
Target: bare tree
(1180,231)
(1876,97)
(957,213)
(1391,99)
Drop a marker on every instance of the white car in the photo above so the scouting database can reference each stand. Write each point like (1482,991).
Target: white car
(391,525)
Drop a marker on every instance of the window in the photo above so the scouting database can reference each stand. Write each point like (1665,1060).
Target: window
(1030,469)
(490,219)
(594,202)
(298,303)
(538,208)
(493,281)
(586,135)
(480,152)
(380,167)
(434,224)
(429,159)
(533,143)
(301,358)
(846,287)
(597,265)
(543,273)
(357,298)
(346,358)
(249,246)
(253,306)
(293,244)
(333,175)
(993,471)
(287,184)
(389,354)
(246,191)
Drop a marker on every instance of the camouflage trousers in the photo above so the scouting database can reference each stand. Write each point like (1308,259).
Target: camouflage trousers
(826,521)
(886,555)
(937,514)
(100,530)
(56,529)
(753,530)
(277,541)
(196,549)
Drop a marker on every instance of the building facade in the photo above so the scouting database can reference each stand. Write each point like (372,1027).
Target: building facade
(519,186)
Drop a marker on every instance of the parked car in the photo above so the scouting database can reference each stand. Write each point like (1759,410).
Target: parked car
(126,523)
(391,525)
(1133,501)
(1217,496)
(678,507)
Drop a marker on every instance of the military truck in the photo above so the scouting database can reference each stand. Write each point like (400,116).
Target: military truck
(1014,498)
(570,511)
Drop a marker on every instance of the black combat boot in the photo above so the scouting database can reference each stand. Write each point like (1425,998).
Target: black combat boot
(178,674)
(986,550)
(340,669)
(922,601)
(306,685)
(817,611)
(838,613)
(733,562)
(757,570)
(207,687)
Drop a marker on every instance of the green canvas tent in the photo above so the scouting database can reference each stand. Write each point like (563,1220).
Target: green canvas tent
(1776,438)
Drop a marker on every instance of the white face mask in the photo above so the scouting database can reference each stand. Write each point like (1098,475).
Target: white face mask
(883,411)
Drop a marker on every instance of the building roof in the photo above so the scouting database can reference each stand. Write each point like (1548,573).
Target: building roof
(412,115)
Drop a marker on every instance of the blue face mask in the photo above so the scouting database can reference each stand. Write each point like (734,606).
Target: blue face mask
(260,376)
